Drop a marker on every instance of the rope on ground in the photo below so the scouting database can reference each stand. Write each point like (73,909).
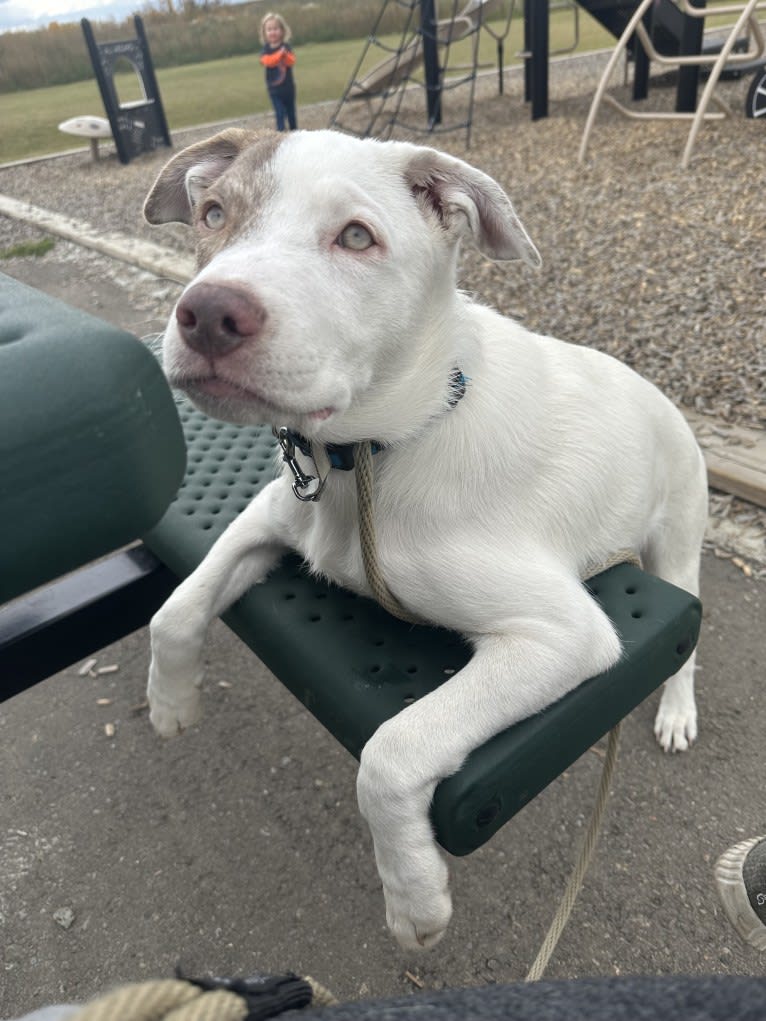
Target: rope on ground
(207,999)
(320,997)
(581,865)
(164,1000)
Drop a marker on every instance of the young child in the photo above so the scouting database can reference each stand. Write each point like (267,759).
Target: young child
(278,59)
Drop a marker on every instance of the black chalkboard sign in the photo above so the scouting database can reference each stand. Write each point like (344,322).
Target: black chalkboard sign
(138,126)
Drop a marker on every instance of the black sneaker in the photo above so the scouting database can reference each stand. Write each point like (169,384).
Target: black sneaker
(740,874)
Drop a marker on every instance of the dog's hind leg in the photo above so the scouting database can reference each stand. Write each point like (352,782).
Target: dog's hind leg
(673,554)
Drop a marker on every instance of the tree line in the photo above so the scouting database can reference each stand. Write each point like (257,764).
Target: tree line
(185,32)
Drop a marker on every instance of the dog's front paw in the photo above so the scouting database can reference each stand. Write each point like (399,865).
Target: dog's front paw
(418,901)
(675,726)
(418,921)
(170,718)
(171,713)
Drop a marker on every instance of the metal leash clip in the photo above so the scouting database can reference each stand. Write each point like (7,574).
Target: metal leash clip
(302,481)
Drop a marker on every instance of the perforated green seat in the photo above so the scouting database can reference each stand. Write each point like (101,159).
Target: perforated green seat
(354,666)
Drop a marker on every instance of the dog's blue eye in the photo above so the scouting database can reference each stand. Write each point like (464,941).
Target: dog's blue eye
(355,237)
(214,217)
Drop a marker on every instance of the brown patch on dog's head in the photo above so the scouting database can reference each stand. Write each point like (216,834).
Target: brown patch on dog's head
(225,174)
(182,181)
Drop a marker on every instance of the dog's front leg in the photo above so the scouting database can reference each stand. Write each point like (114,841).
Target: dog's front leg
(510,676)
(241,557)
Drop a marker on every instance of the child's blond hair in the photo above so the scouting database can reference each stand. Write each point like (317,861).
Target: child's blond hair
(286,33)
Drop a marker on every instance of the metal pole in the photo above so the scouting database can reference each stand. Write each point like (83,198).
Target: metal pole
(641,61)
(431,61)
(536,11)
(688,77)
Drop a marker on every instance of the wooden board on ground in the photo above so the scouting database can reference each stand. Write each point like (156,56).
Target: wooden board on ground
(735,457)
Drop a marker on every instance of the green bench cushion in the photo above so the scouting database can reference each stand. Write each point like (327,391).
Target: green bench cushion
(91,447)
(353,666)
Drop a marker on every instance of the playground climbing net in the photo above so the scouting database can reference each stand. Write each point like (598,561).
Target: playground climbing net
(431,56)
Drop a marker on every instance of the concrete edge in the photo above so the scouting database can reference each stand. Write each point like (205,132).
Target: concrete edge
(156,259)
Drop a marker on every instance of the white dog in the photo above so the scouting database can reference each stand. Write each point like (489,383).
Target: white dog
(326,302)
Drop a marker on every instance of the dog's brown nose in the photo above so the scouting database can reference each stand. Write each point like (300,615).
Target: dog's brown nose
(214,319)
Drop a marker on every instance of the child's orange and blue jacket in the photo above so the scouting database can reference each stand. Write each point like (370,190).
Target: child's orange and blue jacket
(278,61)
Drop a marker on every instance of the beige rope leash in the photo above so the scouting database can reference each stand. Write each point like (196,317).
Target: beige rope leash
(178,1000)
(320,997)
(577,877)
(164,1000)
(375,579)
(623,556)
(582,863)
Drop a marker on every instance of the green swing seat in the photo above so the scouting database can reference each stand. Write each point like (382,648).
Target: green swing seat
(350,663)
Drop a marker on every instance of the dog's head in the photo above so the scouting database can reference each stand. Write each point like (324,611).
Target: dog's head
(325,295)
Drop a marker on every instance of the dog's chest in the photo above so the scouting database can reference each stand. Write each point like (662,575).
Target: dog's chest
(326,533)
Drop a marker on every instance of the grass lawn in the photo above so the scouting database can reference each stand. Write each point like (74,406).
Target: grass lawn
(221,89)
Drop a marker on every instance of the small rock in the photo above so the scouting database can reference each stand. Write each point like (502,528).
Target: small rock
(64,917)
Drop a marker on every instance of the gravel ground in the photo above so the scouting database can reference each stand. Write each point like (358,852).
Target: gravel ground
(663,268)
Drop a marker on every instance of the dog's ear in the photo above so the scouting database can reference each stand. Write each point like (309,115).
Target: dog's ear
(185,177)
(469,202)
